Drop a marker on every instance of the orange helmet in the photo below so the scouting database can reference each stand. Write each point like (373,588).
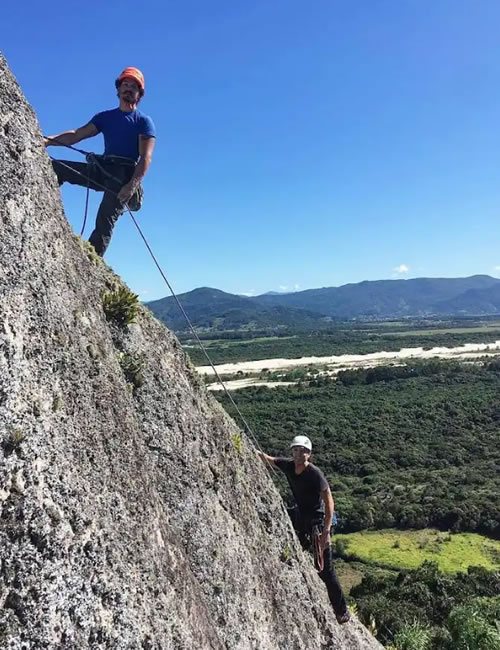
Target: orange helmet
(132,73)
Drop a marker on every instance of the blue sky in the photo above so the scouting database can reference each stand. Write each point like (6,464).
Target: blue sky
(299,144)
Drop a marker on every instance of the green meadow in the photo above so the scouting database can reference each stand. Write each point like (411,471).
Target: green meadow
(410,549)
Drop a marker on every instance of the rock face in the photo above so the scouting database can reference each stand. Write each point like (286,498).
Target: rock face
(133,514)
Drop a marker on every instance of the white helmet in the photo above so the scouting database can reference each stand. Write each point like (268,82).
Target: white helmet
(302,441)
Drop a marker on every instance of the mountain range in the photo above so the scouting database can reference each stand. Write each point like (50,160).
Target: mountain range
(380,299)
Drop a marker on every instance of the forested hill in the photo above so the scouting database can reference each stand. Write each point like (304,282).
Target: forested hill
(477,301)
(389,298)
(212,308)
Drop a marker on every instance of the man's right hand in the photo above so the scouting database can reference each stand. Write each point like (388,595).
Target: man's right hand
(324,539)
(265,457)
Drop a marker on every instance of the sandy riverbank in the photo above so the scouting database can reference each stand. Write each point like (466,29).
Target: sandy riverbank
(336,363)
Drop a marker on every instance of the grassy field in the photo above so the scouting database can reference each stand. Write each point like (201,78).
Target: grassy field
(348,575)
(229,342)
(409,549)
(449,330)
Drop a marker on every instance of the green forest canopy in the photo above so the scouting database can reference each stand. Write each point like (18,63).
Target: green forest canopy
(413,452)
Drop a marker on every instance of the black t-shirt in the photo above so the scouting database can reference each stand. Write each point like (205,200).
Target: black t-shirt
(306,487)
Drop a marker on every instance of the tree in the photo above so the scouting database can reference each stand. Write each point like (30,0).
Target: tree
(413,637)
(471,631)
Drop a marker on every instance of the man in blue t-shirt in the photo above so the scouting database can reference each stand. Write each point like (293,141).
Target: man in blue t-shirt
(315,506)
(129,138)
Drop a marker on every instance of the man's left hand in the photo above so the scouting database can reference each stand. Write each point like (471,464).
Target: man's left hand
(125,194)
(324,539)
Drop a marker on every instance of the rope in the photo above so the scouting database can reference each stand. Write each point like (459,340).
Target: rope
(68,146)
(87,154)
(86,210)
(174,295)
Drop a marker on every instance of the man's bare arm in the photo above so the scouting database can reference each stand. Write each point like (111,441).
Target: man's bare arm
(266,458)
(326,495)
(146,146)
(71,137)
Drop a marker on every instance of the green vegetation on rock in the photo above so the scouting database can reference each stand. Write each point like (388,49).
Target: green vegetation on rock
(120,305)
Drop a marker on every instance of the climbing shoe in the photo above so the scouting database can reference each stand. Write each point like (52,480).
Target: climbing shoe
(343,618)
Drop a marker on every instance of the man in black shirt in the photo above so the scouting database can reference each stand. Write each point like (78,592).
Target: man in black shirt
(314,506)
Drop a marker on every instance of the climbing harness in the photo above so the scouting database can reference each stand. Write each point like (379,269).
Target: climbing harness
(94,158)
(94,161)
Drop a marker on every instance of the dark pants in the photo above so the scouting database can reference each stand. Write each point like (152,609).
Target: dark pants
(95,177)
(303,528)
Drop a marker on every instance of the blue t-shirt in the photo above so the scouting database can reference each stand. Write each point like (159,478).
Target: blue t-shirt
(121,131)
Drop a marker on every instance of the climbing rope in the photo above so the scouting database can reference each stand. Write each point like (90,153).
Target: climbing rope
(86,210)
(92,159)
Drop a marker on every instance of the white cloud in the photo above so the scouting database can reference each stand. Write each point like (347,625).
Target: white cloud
(248,294)
(496,268)
(288,287)
(402,268)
